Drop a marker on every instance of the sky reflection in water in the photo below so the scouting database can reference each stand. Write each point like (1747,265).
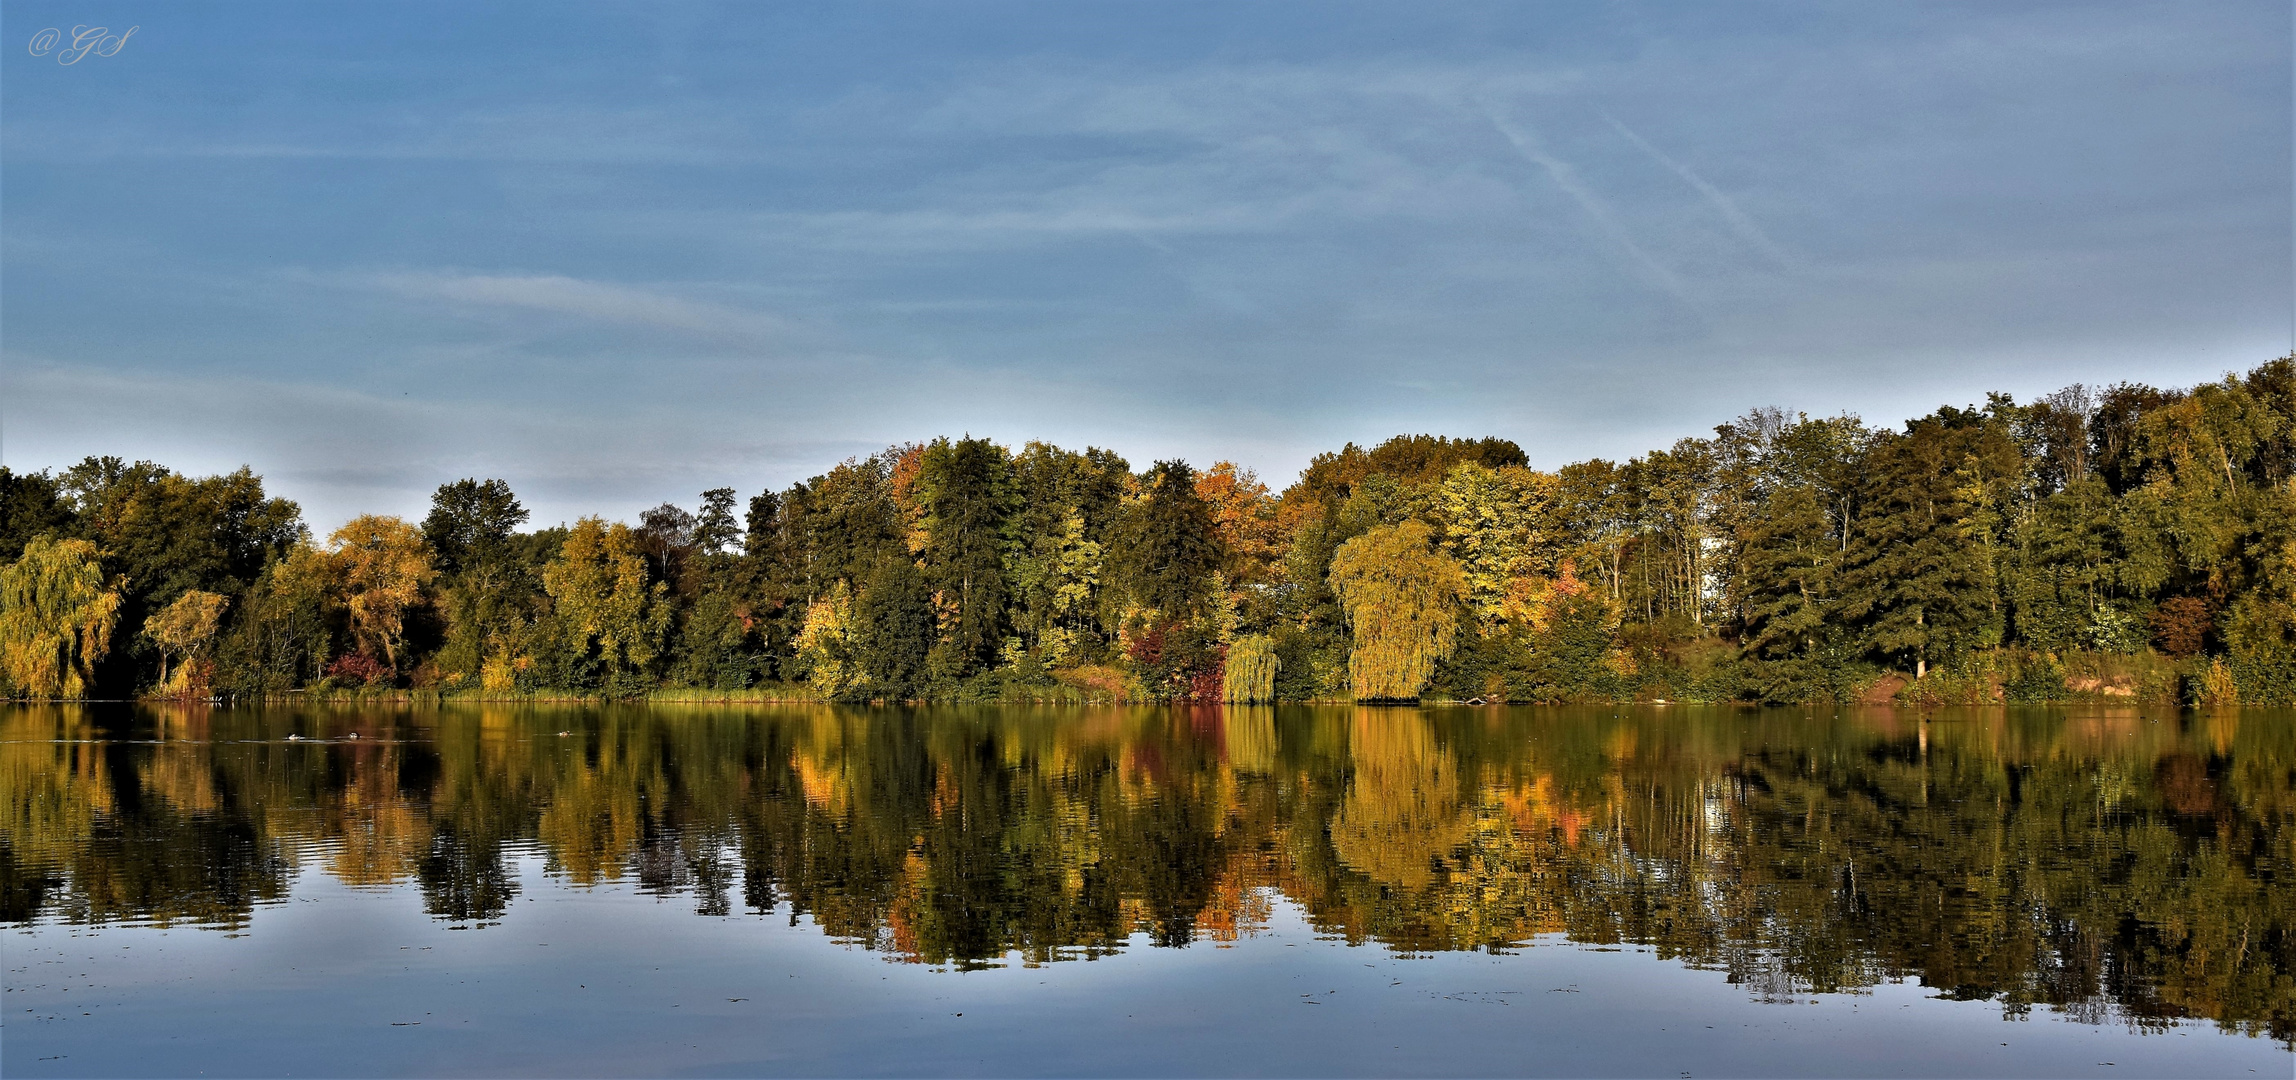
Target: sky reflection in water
(1295,890)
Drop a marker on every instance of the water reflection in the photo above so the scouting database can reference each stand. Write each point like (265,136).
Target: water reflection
(2106,864)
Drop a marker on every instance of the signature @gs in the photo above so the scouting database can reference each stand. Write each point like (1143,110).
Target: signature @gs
(83,40)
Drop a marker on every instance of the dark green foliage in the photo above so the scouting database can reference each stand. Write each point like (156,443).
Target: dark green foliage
(1571,659)
(470,526)
(2114,430)
(2060,571)
(1789,560)
(717,648)
(281,636)
(893,631)
(30,506)
(170,533)
(1478,666)
(562,657)
(1165,553)
(165,534)
(1920,573)
(485,578)
(967,498)
(1311,663)
(2034,678)
(843,521)
(715,530)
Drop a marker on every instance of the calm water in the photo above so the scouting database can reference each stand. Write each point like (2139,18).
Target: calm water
(814,890)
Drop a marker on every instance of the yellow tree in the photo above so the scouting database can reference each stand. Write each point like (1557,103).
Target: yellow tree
(184,631)
(56,617)
(1496,525)
(598,582)
(1250,672)
(825,646)
(382,566)
(1401,600)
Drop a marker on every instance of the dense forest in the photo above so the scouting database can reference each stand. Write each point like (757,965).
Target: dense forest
(2129,542)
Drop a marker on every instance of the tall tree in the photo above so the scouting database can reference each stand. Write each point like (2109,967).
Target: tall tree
(169,533)
(472,530)
(470,526)
(893,631)
(1920,578)
(1168,549)
(966,492)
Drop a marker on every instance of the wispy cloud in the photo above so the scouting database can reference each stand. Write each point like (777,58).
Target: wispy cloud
(1723,204)
(593,300)
(1567,178)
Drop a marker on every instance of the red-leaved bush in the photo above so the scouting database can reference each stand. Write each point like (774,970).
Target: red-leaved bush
(357,669)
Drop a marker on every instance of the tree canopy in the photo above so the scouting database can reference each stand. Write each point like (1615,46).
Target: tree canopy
(2095,542)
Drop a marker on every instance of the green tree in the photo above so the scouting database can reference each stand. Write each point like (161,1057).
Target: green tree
(843,521)
(284,630)
(966,490)
(30,505)
(169,533)
(1920,578)
(470,527)
(894,632)
(1055,579)
(473,531)
(1167,551)
(607,609)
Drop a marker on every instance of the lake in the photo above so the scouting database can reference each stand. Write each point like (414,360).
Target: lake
(818,890)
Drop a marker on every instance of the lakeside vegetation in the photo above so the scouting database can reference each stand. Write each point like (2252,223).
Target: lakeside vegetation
(2104,545)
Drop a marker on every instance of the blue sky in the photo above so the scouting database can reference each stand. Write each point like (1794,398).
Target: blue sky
(617,254)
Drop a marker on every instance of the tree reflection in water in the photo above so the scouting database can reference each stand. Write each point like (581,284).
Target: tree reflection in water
(2107,864)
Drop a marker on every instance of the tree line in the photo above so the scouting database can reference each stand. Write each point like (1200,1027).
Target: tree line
(2115,543)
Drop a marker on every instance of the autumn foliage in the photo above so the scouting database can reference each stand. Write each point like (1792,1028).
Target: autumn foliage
(2103,542)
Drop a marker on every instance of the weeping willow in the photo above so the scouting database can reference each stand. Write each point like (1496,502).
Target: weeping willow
(56,618)
(1401,599)
(1250,675)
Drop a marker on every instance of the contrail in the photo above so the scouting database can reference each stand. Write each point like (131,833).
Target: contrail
(1567,179)
(1741,224)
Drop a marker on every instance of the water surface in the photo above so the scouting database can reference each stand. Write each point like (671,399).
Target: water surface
(1291,891)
